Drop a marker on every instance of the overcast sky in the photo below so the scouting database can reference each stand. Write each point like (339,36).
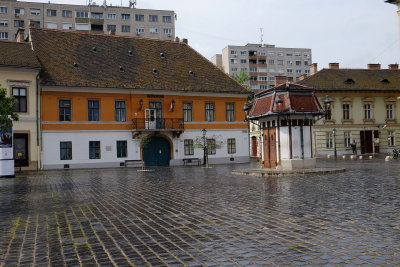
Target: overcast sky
(350,32)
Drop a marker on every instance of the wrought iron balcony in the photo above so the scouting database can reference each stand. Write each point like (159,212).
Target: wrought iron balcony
(158,124)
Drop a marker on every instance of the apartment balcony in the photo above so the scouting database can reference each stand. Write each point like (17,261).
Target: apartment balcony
(174,125)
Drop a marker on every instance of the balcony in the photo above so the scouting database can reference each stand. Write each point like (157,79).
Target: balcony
(147,125)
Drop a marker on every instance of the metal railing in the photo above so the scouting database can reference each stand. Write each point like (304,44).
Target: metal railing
(158,124)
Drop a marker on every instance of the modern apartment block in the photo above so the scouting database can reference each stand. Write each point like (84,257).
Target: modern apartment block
(264,62)
(93,18)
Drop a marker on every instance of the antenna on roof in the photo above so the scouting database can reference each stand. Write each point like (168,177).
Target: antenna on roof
(261,36)
(132,3)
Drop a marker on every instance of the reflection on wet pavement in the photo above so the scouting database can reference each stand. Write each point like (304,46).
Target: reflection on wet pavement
(202,217)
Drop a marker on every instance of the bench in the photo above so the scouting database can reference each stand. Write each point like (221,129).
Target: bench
(136,163)
(191,161)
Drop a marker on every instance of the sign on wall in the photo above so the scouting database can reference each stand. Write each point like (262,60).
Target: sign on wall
(6,138)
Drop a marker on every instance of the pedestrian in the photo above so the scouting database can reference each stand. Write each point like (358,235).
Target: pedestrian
(354,147)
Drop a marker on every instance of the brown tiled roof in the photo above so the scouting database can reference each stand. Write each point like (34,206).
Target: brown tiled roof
(354,80)
(295,99)
(17,55)
(126,62)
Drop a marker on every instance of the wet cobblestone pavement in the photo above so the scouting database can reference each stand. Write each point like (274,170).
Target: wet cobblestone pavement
(202,217)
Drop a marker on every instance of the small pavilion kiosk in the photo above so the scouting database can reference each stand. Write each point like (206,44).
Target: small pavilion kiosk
(285,114)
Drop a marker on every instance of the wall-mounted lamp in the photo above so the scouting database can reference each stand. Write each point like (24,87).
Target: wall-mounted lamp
(141,104)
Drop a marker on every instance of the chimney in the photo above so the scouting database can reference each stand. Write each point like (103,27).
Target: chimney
(20,35)
(184,40)
(314,68)
(334,66)
(393,66)
(302,77)
(374,66)
(280,79)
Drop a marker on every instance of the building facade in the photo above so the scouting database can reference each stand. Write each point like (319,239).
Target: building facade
(159,24)
(19,71)
(101,94)
(364,108)
(263,62)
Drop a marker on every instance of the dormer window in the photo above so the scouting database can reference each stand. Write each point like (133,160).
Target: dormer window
(386,81)
(94,49)
(162,55)
(130,53)
(121,69)
(349,81)
(191,73)
(155,71)
(76,65)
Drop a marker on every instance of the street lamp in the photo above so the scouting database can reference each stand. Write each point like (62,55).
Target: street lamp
(205,158)
(334,142)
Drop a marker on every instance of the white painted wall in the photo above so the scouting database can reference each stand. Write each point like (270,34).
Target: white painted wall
(108,139)
(296,142)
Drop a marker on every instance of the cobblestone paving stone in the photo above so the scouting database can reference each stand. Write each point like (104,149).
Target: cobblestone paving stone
(193,216)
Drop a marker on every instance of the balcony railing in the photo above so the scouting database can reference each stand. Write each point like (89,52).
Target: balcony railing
(158,124)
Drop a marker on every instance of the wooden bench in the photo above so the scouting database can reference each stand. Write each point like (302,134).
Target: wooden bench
(191,161)
(136,163)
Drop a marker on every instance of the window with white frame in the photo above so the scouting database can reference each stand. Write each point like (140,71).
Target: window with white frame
(82,26)
(167,19)
(289,63)
(19,23)
(271,62)
(262,53)
(254,86)
(51,25)
(243,53)
(253,78)
(280,61)
(3,22)
(19,11)
(389,111)
(253,69)
(233,52)
(3,35)
(67,26)
(112,16)
(111,28)
(139,30)
(307,71)
(211,147)
(271,54)
(262,78)
(35,11)
(368,111)
(271,78)
(289,54)
(96,15)
(297,54)
(280,54)
(234,69)
(263,86)
(289,71)
(230,111)
(3,10)
(243,69)
(126,16)
(329,140)
(167,31)
(209,111)
(153,18)
(51,12)
(82,14)
(306,63)
(234,60)
(391,138)
(153,30)
(298,71)
(347,139)
(346,111)
(188,147)
(67,13)
(243,61)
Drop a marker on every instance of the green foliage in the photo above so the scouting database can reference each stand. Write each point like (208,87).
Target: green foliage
(241,78)
(143,138)
(7,113)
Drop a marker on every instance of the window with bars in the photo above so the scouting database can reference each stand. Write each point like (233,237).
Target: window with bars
(188,146)
(231,146)
(209,111)
(20,95)
(64,110)
(122,149)
(94,150)
(120,110)
(187,111)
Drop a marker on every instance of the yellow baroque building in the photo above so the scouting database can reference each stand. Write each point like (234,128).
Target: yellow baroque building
(365,108)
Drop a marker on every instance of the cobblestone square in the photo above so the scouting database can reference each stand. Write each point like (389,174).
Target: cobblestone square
(194,216)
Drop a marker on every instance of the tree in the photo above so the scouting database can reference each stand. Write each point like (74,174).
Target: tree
(241,78)
(7,114)
(206,144)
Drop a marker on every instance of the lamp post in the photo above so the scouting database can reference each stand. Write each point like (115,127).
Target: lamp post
(205,158)
(334,142)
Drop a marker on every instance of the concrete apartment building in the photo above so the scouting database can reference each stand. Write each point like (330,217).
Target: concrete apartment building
(264,62)
(159,24)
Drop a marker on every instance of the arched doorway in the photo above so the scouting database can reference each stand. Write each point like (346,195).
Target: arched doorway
(254,146)
(156,152)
